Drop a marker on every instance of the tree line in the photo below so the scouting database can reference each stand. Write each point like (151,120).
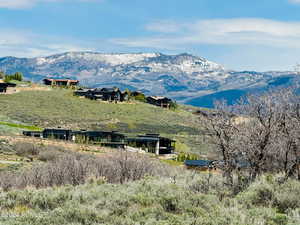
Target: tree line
(18,76)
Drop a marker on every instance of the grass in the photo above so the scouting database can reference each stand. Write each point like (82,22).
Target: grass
(59,108)
(21,126)
(151,201)
(172,162)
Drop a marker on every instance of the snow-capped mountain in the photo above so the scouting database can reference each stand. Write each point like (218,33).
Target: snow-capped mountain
(184,77)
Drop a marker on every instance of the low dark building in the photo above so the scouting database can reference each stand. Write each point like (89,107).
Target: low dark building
(60,82)
(160,101)
(4,86)
(153,143)
(106,138)
(83,92)
(199,164)
(104,94)
(38,134)
(61,134)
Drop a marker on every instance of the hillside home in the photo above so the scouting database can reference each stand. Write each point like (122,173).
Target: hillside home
(105,138)
(104,94)
(61,134)
(153,143)
(60,82)
(4,86)
(160,101)
(83,92)
(37,134)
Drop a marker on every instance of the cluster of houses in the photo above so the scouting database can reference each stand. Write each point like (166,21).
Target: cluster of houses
(152,143)
(104,94)
(113,94)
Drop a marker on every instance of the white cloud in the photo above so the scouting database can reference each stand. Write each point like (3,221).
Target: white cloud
(295,1)
(27,44)
(20,4)
(241,31)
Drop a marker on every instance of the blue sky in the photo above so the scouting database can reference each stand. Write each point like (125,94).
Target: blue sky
(240,34)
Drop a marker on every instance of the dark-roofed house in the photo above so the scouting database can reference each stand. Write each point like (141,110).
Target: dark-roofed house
(60,82)
(153,143)
(62,134)
(199,164)
(160,101)
(83,92)
(104,94)
(5,85)
(38,134)
(105,138)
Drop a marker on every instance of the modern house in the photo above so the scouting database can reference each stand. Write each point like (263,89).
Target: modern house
(4,86)
(61,134)
(153,143)
(38,134)
(60,82)
(83,92)
(105,138)
(160,101)
(104,94)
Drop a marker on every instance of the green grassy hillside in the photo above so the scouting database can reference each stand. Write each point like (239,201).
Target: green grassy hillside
(59,108)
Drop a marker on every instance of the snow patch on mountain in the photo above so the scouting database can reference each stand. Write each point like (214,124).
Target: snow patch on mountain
(182,76)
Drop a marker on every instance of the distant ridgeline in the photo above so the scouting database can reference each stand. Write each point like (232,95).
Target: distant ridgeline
(113,94)
(152,143)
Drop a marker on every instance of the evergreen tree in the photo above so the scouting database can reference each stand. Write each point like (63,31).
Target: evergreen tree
(18,76)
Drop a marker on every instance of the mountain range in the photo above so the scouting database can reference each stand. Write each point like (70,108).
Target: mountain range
(186,78)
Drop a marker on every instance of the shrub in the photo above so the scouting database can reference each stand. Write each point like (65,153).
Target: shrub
(265,192)
(50,153)
(140,97)
(186,156)
(173,105)
(75,169)
(287,196)
(150,201)
(26,149)
(48,156)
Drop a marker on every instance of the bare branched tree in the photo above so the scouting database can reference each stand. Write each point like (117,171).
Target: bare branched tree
(261,132)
